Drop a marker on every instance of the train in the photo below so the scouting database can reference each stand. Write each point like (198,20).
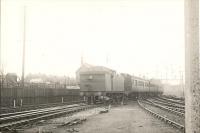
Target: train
(94,83)
(98,81)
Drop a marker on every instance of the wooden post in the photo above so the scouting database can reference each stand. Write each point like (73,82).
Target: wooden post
(14,103)
(192,84)
(84,99)
(62,100)
(21,102)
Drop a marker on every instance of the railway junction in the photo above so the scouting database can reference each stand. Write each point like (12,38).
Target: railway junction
(125,103)
(105,101)
(132,116)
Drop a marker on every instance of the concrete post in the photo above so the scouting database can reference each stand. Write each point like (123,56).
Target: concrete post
(192,88)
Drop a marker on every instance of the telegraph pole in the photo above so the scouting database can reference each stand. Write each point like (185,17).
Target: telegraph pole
(24,47)
(181,82)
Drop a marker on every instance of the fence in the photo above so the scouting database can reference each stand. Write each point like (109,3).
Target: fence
(17,96)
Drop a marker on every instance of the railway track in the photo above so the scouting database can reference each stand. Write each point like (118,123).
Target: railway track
(166,116)
(6,110)
(178,101)
(169,104)
(173,98)
(13,120)
(172,109)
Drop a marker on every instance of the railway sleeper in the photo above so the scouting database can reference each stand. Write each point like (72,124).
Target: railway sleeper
(172,123)
(5,127)
(166,108)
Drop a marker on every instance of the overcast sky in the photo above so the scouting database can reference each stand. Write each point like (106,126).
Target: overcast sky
(140,37)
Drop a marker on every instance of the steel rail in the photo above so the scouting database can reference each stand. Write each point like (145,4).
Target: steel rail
(39,106)
(45,115)
(164,102)
(34,113)
(168,121)
(169,109)
(172,100)
(35,110)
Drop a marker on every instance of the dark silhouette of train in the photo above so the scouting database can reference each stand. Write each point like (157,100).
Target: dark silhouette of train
(97,82)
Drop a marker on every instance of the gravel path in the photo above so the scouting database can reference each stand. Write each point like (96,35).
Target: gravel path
(125,119)
(128,118)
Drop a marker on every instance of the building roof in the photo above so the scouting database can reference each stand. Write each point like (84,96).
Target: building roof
(140,79)
(84,67)
(96,69)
